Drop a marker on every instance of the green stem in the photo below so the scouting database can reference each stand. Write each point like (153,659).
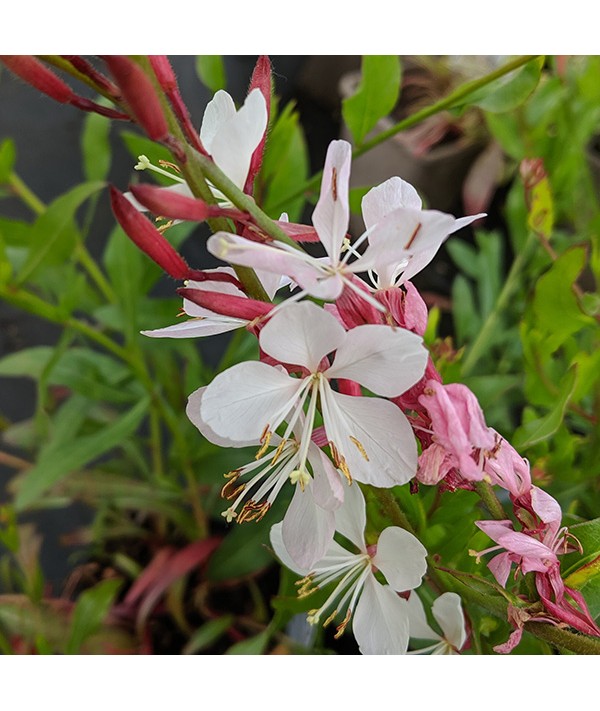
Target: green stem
(155,441)
(489,498)
(391,508)
(451,101)
(511,285)
(64,65)
(25,194)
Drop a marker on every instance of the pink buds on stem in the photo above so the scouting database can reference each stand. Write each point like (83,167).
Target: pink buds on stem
(227,304)
(32,71)
(166,78)
(141,97)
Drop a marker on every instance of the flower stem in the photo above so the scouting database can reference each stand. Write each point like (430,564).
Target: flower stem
(450,101)
(489,498)
(481,342)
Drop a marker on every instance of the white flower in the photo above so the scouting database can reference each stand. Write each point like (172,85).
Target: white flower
(385,200)
(309,522)
(401,233)
(448,613)
(229,136)
(370,438)
(379,616)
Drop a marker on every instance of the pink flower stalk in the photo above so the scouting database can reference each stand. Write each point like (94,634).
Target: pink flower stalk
(83,66)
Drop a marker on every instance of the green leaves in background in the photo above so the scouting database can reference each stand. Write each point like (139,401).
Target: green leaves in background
(95,147)
(65,452)
(508,92)
(285,166)
(92,607)
(8,155)
(375,97)
(54,233)
(211,71)
(584,572)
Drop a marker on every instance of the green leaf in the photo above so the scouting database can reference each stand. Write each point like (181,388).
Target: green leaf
(584,571)
(464,256)
(208,634)
(8,154)
(54,233)
(211,71)
(95,146)
(355,199)
(542,428)
(555,306)
(56,462)
(285,165)
(511,90)
(375,97)
(253,645)
(89,613)
(466,319)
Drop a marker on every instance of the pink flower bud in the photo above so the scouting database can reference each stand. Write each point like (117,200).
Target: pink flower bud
(140,95)
(35,73)
(145,235)
(168,81)
(170,204)
(261,79)
(227,304)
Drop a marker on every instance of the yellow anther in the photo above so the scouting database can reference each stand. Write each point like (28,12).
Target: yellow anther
(278,451)
(330,619)
(265,439)
(360,448)
(341,628)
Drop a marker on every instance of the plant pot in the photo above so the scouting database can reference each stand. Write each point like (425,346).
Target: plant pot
(437,172)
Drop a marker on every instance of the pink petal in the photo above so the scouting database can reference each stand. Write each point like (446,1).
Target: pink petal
(500,566)
(276,538)
(434,464)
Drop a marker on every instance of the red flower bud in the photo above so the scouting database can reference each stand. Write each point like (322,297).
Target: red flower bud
(168,203)
(35,73)
(227,304)
(145,235)
(261,79)
(168,81)
(140,95)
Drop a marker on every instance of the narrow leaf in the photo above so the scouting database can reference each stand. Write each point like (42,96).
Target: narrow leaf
(89,613)
(211,71)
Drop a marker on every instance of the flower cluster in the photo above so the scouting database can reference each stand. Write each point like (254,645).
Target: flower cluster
(345,398)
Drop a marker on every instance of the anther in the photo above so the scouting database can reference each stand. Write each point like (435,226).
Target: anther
(360,448)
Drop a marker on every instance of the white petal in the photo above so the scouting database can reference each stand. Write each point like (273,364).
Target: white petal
(447,610)
(244,400)
(380,622)
(461,222)
(387,197)
(383,432)
(219,110)
(235,141)
(332,212)
(303,269)
(276,537)
(301,334)
(307,529)
(401,557)
(417,263)
(192,410)
(351,517)
(328,489)
(419,628)
(386,360)
(196,328)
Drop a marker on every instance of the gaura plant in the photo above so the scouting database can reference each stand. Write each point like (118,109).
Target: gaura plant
(347,409)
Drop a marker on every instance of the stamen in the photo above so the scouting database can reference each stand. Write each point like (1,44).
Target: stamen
(230,490)
(253,511)
(168,164)
(264,440)
(360,448)
(229,514)
(413,237)
(341,628)
(334,183)
(144,164)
